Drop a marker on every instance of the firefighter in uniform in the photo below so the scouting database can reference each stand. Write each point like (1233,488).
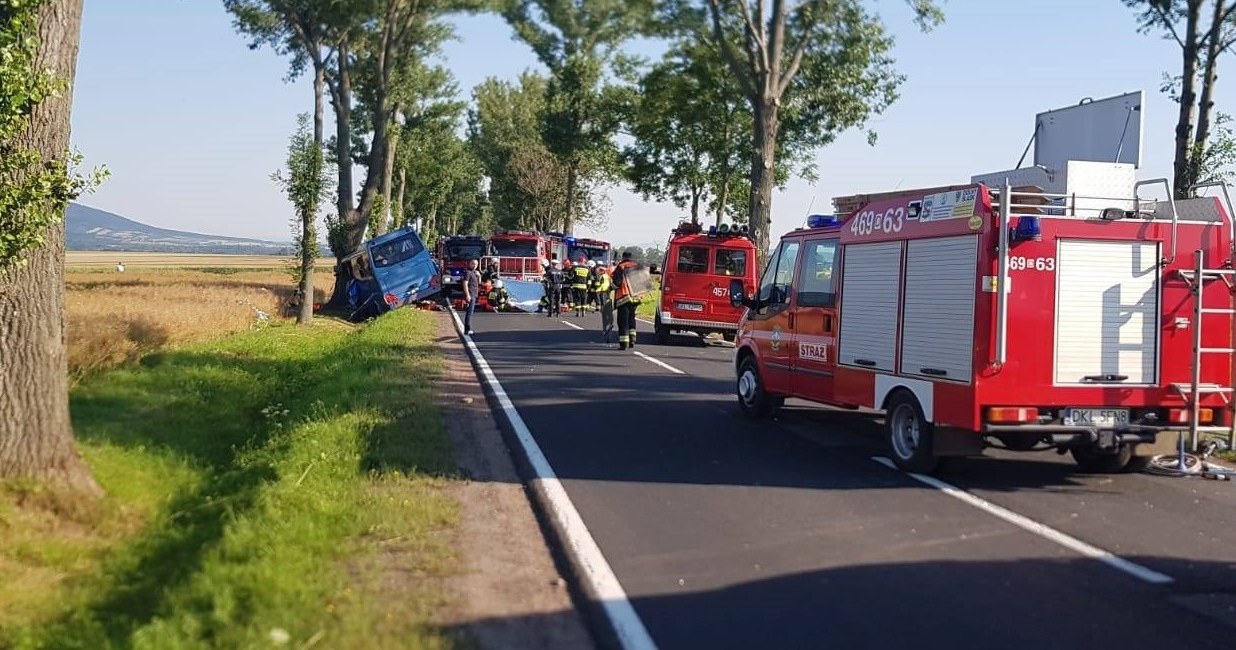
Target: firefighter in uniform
(625,302)
(579,287)
(553,281)
(602,288)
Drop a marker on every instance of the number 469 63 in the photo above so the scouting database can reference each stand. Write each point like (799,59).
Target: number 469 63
(1017,263)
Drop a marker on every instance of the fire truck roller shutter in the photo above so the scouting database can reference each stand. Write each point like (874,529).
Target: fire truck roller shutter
(938,331)
(1107,305)
(871,275)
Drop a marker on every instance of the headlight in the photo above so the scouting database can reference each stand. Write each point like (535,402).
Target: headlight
(446,277)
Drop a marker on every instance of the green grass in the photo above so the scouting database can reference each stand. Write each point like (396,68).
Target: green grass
(270,483)
(648,306)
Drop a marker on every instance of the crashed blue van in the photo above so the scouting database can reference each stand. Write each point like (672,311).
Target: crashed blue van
(390,271)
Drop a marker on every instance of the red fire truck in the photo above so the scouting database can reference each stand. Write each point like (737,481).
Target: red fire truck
(454,253)
(595,250)
(520,253)
(1089,321)
(695,280)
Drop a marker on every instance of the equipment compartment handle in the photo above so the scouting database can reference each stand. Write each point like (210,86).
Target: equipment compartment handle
(933,371)
(865,362)
(1105,377)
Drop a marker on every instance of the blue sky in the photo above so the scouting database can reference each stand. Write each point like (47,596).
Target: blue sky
(192,123)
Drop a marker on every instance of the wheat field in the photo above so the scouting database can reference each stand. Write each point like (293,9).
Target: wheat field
(108,259)
(160,301)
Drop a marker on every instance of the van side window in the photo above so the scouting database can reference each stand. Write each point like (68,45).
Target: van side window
(775,286)
(818,276)
(693,259)
(730,262)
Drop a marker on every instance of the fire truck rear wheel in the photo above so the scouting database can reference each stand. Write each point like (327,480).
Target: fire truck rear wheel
(910,434)
(1097,462)
(752,399)
(662,331)
(729,336)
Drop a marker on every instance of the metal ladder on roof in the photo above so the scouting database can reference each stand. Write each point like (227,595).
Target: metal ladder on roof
(1197,278)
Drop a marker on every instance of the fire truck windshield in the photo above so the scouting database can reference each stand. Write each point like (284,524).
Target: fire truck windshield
(514,248)
(396,251)
(589,253)
(462,251)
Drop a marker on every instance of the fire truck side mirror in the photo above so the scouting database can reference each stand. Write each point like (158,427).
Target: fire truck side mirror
(738,294)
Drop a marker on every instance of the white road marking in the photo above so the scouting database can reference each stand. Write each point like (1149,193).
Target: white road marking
(630,629)
(645,321)
(570,324)
(1042,530)
(658,362)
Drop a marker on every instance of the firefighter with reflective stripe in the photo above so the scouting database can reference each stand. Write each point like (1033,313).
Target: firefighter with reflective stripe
(579,287)
(625,302)
(603,289)
(554,281)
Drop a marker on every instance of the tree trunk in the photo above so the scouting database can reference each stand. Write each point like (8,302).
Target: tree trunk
(36,434)
(400,217)
(695,206)
(572,183)
(308,229)
(1205,104)
(763,175)
(388,175)
(1182,167)
(341,100)
(723,197)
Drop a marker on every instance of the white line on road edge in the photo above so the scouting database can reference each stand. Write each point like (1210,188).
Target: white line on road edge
(658,362)
(567,322)
(645,321)
(1136,570)
(630,629)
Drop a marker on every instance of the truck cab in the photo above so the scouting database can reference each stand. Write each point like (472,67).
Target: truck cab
(698,269)
(454,254)
(389,271)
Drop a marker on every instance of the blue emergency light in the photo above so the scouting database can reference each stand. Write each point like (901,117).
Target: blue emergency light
(822,221)
(1028,228)
(570,241)
(712,231)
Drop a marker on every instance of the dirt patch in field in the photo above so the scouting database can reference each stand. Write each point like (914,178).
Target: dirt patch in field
(510,595)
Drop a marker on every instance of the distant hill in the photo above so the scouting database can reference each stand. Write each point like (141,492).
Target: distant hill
(91,229)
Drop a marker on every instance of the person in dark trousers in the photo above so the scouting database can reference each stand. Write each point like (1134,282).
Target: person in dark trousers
(472,290)
(625,302)
(554,280)
(579,287)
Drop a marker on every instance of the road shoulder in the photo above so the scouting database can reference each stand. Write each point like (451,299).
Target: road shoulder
(508,590)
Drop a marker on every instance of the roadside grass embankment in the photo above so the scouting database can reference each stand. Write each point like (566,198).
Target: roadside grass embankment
(282,487)
(113,319)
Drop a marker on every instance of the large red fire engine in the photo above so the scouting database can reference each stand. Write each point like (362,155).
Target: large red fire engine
(520,253)
(1084,319)
(695,279)
(454,253)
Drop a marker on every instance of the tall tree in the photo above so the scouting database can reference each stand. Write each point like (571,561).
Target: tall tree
(38,59)
(1203,29)
(693,134)
(810,69)
(576,40)
(306,186)
(503,120)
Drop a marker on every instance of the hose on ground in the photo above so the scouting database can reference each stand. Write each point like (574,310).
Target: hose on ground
(1194,465)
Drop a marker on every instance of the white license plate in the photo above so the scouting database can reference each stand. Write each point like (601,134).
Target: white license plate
(686,306)
(1096,417)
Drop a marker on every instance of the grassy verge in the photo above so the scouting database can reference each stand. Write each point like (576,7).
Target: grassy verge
(259,491)
(648,306)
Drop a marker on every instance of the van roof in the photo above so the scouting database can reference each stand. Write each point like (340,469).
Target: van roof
(702,239)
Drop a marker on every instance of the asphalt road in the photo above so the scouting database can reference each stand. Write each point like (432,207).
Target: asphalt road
(785,533)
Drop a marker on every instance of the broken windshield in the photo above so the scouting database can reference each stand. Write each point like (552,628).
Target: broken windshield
(396,251)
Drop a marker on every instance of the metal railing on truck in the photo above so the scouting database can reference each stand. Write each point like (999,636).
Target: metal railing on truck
(1038,203)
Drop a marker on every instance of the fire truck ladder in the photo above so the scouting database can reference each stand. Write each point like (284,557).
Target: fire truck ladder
(1197,278)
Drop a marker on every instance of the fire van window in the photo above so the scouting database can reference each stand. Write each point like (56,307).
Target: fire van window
(692,259)
(730,262)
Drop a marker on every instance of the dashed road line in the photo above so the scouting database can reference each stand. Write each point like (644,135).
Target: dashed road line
(1042,530)
(658,362)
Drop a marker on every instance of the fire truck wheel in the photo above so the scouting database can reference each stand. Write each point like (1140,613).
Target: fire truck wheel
(729,336)
(752,399)
(1097,462)
(662,331)
(910,434)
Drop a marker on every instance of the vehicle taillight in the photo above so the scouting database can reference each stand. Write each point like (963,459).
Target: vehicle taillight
(391,299)
(1181,416)
(1012,414)
(435,281)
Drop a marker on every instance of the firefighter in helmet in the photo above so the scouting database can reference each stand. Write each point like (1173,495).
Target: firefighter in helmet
(625,302)
(579,286)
